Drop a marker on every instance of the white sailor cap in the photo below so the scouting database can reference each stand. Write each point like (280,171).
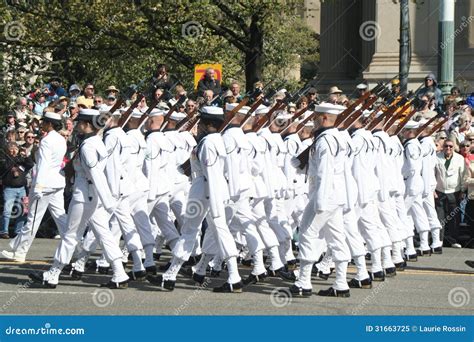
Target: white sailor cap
(212,113)
(230,106)
(157,112)
(361,86)
(136,113)
(380,112)
(87,114)
(104,109)
(261,110)
(163,106)
(412,125)
(52,116)
(177,116)
(329,108)
(366,113)
(283,115)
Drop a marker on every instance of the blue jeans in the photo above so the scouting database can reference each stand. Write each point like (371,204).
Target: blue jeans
(13,208)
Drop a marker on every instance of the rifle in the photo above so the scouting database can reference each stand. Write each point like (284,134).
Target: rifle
(181,100)
(346,113)
(126,115)
(405,121)
(295,117)
(387,114)
(279,105)
(154,103)
(439,125)
(357,113)
(420,130)
(302,123)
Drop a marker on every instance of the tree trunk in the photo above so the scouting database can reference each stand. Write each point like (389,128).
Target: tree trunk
(254,57)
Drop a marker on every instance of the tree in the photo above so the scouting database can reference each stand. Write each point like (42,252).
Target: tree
(120,42)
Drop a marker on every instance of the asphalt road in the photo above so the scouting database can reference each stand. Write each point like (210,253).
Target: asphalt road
(436,285)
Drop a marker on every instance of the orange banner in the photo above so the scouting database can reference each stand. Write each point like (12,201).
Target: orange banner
(200,71)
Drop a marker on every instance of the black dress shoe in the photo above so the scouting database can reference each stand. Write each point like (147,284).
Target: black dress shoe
(138,276)
(38,279)
(159,281)
(412,258)
(115,286)
(378,276)
(297,291)
(391,272)
(76,275)
(164,268)
(320,274)
(246,262)
(150,270)
(360,284)
(255,279)
(156,256)
(288,276)
(469,263)
(368,256)
(291,265)
(419,252)
(67,269)
(229,288)
(400,266)
(193,260)
(330,292)
(103,270)
(437,250)
(275,273)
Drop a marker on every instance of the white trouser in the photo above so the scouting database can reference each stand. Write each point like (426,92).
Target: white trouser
(273,210)
(243,220)
(160,219)
(407,223)
(140,218)
(81,215)
(389,218)
(415,210)
(429,206)
(177,201)
(54,201)
(219,242)
(353,236)
(121,224)
(328,225)
(267,234)
(370,226)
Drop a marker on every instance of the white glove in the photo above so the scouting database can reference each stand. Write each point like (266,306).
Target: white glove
(295,162)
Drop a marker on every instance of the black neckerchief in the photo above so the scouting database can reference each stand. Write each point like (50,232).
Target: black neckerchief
(108,129)
(319,131)
(169,130)
(248,131)
(353,130)
(377,130)
(408,140)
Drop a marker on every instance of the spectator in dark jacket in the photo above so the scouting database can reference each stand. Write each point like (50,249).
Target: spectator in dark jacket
(13,173)
(431,86)
(209,83)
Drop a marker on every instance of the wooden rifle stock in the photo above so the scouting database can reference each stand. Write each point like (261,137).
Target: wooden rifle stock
(405,121)
(231,114)
(439,125)
(422,128)
(130,109)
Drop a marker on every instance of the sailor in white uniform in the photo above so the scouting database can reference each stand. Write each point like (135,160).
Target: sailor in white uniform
(92,205)
(47,189)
